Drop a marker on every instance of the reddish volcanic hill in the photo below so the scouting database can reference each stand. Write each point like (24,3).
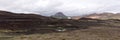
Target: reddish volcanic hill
(103,16)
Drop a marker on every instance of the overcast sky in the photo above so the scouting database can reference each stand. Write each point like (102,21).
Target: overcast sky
(69,7)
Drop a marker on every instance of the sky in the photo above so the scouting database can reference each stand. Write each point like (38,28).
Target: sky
(68,7)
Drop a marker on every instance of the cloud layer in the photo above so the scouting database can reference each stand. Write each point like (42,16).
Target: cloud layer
(69,7)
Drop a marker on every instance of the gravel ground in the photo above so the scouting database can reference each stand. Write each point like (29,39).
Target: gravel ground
(93,33)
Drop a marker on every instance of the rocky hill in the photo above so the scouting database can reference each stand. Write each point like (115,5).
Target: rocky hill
(32,22)
(103,16)
(14,21)
(59,15)
(39,27)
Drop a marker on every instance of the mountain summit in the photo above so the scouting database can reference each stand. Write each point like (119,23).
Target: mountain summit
(59,15)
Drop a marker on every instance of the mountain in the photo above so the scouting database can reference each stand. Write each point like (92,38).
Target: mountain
(33,22)
(16,21)
(14,26)
(104,15)
(59,15)
(11,15)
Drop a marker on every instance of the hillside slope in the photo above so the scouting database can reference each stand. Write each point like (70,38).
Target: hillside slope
(103,16)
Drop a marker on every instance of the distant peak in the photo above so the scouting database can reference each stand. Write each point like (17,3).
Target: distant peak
(59,15)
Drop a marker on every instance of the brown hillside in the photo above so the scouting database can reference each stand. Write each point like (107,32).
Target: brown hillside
(103,16)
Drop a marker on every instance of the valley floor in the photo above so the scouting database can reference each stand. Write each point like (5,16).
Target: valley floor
(92,33)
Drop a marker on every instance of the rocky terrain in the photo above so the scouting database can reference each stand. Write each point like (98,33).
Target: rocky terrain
(98,30)
(36,27)
(32,22)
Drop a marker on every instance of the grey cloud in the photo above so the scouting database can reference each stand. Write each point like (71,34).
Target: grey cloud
(69,7)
